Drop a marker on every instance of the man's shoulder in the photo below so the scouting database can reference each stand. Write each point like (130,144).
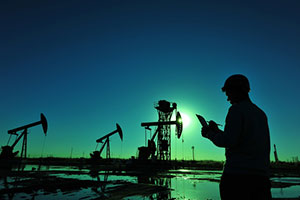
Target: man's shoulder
(246,107)
(235,108)
(241,105)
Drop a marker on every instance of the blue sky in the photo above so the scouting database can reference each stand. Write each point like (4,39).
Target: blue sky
(88,65)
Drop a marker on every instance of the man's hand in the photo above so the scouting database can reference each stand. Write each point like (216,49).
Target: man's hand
(211,129)
(213,126)
(204,131)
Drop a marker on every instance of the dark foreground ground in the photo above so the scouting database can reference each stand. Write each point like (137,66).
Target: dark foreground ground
(151,177)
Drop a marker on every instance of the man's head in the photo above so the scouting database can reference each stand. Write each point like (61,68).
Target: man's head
(236,88)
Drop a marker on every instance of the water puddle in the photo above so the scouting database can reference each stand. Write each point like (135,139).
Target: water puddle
(57,182)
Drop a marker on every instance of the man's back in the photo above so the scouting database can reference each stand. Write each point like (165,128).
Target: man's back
(249,152)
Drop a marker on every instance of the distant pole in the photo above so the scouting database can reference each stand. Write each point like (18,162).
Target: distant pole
(145,137)
(193,148)
(71,152)
(182,149)
(275,154)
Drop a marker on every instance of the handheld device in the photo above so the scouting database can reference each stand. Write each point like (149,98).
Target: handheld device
(202,120)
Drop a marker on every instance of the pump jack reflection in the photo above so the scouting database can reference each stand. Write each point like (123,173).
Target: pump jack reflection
(159,181)
(10,186)
(10,195)
(100,189)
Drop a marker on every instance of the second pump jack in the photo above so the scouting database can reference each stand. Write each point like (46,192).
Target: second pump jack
(96,155)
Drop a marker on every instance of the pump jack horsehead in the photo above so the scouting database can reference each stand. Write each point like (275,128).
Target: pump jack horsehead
(7,151)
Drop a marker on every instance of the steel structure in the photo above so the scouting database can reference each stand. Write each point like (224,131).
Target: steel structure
(7,151)
(165,112)
(97,154)
(163,132)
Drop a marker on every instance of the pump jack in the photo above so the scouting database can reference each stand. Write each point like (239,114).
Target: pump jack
(96,155)
(7,151)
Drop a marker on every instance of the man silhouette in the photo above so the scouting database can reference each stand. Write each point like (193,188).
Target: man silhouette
(247,145)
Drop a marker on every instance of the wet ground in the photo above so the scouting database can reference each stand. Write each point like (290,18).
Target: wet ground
(57,182)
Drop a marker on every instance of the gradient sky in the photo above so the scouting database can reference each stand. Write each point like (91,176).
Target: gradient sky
(88,65)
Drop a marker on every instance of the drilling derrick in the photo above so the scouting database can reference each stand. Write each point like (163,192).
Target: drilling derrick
(162,149)
(165,112)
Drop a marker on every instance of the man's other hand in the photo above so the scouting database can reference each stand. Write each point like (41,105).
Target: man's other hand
(213,126)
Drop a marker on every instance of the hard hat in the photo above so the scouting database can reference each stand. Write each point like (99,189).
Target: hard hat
(238,83)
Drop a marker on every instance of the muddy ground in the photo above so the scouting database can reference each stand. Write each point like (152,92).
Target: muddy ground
(47,182)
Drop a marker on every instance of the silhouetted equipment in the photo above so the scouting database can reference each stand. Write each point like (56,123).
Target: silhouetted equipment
(193,148)
(97,154)
(7,151)
(275,154)
(163,132)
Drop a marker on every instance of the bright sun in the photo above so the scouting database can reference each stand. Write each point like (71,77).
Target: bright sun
(185,119)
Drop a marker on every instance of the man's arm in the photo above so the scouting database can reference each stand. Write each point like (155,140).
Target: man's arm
(232,131)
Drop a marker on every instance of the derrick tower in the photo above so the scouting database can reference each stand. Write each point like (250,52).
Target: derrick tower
(165,111)
(161,150)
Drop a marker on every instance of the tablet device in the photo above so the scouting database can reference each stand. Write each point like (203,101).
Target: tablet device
(202,120)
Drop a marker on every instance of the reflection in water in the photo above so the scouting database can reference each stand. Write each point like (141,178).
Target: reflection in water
(286,187)
(186,187)
(159,181)
(91,184)
(289,192)
(100,188)
(10,195)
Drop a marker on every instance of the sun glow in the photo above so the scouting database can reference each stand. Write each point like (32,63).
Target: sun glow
(185,120)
